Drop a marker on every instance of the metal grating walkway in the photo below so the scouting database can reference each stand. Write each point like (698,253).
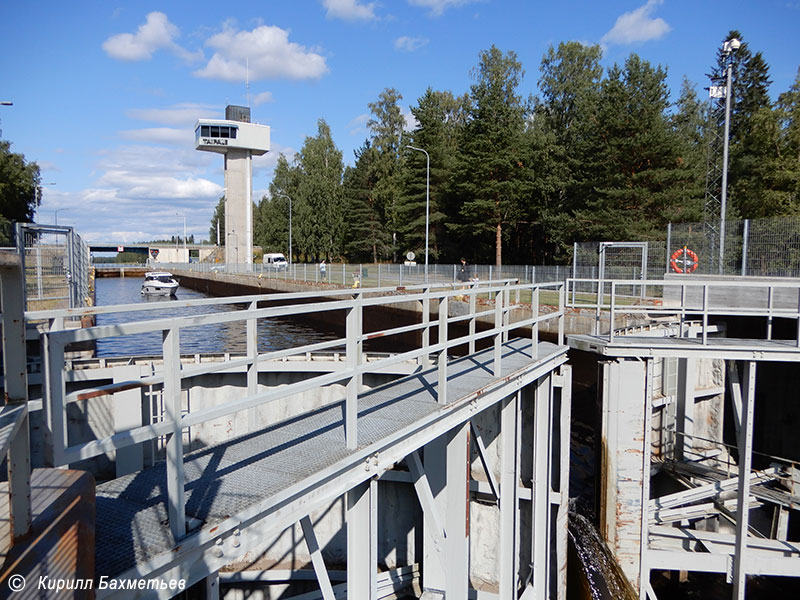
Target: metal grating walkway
(226,479)
(715,347)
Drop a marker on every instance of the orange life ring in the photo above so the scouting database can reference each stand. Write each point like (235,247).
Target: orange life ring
(684,261)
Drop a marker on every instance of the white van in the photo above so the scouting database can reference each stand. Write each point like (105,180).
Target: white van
(275,261)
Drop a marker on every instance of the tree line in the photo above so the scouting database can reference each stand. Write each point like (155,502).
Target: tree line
(596,154)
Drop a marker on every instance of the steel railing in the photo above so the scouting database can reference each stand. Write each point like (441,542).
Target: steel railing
(696,300)
(351,302)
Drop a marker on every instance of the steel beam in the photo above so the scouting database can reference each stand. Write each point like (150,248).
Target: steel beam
(745,464)
(540,510)
(316,558)
(456,554)
(684,417)
(481,447)
(508,559)
(362,567)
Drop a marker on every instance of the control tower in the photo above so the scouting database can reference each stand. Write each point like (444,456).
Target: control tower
(239,140)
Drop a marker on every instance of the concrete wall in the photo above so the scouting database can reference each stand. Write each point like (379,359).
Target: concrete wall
(239,206)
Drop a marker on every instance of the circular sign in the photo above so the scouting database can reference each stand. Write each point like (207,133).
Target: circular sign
(410,255)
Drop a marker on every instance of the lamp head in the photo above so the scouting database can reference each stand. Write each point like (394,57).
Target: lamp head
(731,45)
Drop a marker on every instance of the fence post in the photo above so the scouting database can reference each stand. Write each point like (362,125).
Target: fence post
(535,324)
(574,260)
(379,274)
(745,235)
(669,245)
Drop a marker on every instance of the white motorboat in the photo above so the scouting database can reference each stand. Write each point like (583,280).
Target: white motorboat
(159,283)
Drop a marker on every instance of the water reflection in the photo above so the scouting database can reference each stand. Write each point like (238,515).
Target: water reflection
(273,334)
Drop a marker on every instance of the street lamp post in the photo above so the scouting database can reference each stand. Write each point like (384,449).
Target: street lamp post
(427,202)
(184,232)
(289,198)
(727,48)
(56,213)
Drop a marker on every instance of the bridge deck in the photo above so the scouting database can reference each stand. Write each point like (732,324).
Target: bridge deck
(230,478)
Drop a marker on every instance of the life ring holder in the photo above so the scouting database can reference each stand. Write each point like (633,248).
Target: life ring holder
(684,261)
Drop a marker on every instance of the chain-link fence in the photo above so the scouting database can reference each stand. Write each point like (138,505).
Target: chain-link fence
(757,247)
(617,260)
(56,265)
(378,275)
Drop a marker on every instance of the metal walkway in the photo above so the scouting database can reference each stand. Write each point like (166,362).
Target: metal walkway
(195,513)
(286,463)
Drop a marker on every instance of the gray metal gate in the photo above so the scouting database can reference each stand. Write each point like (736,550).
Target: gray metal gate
(55,261)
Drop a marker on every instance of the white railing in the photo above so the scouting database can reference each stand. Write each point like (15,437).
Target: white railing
(694,299)
(352,302)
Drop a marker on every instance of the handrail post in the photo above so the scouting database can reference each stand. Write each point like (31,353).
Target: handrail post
(473,304)
(441,390)
(353,346)
(506,310)
(769,312)
(172,405)
(426,321)
(252,365)
(562,297)
(498,330)
(611,312)
(54,413)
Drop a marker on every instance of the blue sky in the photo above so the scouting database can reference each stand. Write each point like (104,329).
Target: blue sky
(106,94)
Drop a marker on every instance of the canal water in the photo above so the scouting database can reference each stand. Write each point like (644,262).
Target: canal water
(273,334)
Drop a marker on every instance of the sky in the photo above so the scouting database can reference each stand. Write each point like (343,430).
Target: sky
(105,94)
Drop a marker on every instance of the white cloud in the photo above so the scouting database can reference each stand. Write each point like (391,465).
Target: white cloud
(410,119)
(156,33)
(349,10)
(183,115)
(160,135)
(262,98)
(358,125)
(269,52)
(437,7)
(637,26)
(410,44)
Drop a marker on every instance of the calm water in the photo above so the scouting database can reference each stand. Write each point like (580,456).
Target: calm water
(273,334)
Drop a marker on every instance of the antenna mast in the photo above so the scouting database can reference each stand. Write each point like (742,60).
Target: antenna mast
(247,80)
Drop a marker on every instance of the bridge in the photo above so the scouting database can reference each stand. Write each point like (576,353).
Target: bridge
(230,473)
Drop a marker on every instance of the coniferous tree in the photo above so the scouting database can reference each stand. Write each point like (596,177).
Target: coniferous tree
(560,142)
(387,127)
(366,237)
(440,120)
(491,171)
(319,202)
(636,167)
